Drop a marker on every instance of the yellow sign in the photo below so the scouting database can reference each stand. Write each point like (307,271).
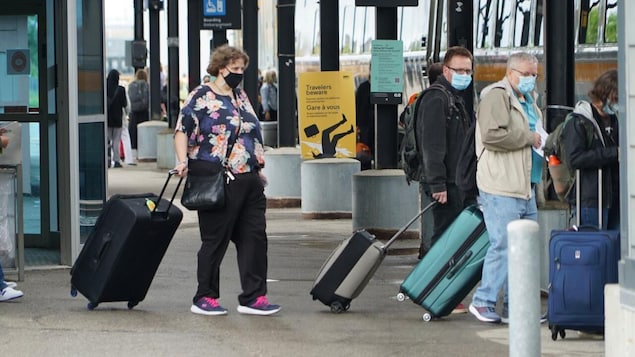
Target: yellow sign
(327,114)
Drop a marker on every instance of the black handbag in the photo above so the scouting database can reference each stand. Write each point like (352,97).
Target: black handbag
(204,191)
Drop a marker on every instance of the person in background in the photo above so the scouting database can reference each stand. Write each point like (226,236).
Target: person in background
(602,152)
(139,94)
(217,117)
(269,95)
(507,172)
(435,70)
(365,122)
(117,105)
(7,288)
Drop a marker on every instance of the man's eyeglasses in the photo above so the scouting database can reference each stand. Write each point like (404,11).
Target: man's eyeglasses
(461,70)
(526,74)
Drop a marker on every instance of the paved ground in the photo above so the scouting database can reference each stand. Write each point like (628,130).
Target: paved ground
(49,322)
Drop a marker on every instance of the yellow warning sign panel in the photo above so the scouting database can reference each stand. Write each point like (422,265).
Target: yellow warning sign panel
(326,103)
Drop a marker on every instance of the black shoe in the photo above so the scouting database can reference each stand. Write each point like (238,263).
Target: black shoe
(118,164)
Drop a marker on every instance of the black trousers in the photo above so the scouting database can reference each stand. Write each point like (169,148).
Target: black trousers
(136,118)
(242,221)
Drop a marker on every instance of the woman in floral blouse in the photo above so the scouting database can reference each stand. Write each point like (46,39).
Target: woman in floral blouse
(218,127)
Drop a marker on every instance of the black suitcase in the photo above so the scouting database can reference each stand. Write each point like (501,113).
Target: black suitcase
(122,254)
(349,268)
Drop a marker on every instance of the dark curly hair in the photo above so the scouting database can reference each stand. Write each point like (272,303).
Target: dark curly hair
(605,87)
(224,55)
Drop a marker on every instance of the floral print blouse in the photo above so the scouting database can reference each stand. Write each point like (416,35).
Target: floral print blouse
(211,122)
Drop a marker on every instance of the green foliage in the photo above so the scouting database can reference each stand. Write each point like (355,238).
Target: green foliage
(592,26)
(610,30)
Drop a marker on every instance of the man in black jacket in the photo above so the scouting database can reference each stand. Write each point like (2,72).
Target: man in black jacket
(442,122)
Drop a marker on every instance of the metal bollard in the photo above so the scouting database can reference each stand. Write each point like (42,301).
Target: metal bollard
(524,288)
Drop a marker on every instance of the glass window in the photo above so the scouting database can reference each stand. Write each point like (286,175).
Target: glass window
(503,14)
(610,25)
(538,38)
(92,184)
(19,92)
(588,22)
(523,20)
(484,22)
(90,57)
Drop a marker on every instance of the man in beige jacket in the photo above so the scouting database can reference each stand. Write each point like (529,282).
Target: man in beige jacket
(507,171)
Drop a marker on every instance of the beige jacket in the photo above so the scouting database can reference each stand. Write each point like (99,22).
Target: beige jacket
(503,141)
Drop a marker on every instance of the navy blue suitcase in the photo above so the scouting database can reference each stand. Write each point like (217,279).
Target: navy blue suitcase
(581,262)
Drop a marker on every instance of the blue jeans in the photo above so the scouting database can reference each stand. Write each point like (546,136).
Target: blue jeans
(498,211)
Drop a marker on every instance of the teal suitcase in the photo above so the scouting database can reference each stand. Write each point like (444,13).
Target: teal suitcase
(452,267)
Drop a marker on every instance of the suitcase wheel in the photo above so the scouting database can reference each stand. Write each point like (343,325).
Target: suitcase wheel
(91,306)
(73,291)
(337,307)
(401,297)
(555,331)
(132,304)
(427,317)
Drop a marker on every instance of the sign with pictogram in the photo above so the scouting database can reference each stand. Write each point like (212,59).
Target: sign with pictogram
(214,8)
(221,14)
(18,62)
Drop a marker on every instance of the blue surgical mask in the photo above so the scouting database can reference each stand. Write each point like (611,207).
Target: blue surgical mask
(609,108)
(526,84)
(461,81)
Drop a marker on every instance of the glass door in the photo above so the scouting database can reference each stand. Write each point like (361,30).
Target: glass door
(26,54)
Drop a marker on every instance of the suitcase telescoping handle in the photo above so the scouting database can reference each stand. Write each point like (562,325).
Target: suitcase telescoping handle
(403,229)
(165,185)
(578,200)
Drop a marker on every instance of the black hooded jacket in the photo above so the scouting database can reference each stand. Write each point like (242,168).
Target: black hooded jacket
(586,152)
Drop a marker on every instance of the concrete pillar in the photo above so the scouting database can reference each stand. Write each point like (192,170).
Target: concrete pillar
(523,280)
(326,186)
(270,133)
(166,158)
(282,169)
(147,139)
(383,202)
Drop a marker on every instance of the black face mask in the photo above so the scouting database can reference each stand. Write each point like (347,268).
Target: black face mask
(233,79)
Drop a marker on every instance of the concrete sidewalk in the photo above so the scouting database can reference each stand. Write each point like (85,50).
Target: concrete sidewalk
(49,322)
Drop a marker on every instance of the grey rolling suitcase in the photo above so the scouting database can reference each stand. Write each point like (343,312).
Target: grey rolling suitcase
(349,268)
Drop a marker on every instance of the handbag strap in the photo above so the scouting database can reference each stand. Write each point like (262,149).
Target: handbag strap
(230,145)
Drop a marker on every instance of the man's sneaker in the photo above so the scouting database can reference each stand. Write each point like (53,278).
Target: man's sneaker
(8,293)
(485,313)
(260,306)
(10,284)
(460,309)
(208,306)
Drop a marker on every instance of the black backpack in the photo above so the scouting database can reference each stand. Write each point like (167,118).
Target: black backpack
(410,159)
